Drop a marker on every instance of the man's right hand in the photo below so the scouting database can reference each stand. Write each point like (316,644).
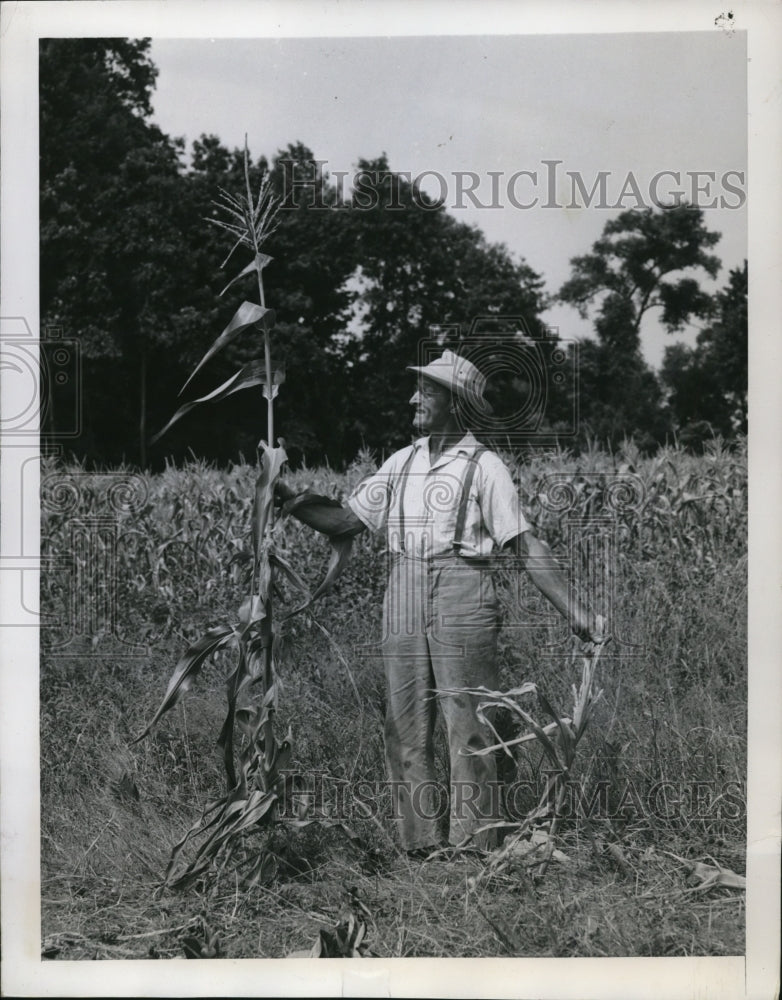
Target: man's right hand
(319,512)
(282,493)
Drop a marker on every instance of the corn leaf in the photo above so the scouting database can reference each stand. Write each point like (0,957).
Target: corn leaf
(568,739)
(340,555)
(504,744)
(247,720)
(255,661)
(187,669)
(528,687)
(258,263)
(252,374)
(278,377)
(226,738)
(262,872)
(277,560)
(252,608)
(250,812)
(272,460)
(321,515)
(707,876)
(200,827)
(248,314)
(541,736)
(256,810)
(282,760)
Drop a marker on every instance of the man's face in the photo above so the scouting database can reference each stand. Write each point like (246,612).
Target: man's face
(432,404)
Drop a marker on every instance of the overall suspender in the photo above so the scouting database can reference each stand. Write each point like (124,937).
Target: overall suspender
(461,517)
(402,484)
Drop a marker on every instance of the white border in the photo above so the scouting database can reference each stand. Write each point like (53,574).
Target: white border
(23,972)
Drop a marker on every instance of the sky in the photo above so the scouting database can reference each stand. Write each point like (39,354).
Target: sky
(452,110)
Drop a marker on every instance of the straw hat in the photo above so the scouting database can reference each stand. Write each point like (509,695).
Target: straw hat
(459,375)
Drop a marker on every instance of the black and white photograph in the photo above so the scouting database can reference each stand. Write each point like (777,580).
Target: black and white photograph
(390,491)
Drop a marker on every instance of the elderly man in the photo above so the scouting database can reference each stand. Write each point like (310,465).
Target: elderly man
(445,503)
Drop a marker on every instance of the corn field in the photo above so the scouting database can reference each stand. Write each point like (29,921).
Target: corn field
(183,534)
(140,564)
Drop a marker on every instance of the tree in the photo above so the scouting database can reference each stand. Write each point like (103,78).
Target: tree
(113,269)
(637,266)
(131,267)
(708,382)
(618,399)
(645,260)
(421,275)
(311,283)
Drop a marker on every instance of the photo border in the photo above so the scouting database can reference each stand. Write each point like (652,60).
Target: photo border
(23,973)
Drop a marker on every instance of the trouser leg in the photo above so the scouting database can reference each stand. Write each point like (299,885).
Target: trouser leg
(464,654)
(418,802)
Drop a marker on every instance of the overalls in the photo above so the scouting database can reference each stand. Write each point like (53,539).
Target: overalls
(440,625)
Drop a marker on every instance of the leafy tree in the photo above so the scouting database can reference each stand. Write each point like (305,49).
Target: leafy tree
(421,275)
(617,399)
(130,266)
(112,263)
(637,266)
(645,260)
(708,382)
(311,283)
(356,287)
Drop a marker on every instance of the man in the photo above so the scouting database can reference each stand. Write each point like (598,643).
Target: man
(446,503)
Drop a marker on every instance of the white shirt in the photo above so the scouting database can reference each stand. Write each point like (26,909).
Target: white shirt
(424,501)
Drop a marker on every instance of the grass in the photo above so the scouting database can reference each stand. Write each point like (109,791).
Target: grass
(672,712)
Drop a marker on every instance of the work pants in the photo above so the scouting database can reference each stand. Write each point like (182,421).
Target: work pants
(440,624)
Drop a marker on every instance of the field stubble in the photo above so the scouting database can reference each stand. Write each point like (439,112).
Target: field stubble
(667,742)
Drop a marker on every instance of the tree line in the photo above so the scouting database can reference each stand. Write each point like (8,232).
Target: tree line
(130,268)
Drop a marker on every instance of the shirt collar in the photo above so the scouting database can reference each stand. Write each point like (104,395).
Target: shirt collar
(466,446)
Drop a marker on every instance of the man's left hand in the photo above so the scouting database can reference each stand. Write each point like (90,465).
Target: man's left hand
(594,632)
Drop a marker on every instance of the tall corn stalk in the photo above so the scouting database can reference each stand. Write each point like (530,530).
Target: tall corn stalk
(258,786)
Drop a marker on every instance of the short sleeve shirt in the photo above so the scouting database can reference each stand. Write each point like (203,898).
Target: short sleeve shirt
(416,502)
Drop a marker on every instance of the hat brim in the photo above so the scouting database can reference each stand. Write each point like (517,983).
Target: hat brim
(478,401)
(441,380)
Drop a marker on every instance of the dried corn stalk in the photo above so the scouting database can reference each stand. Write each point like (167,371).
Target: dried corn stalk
(559,740)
